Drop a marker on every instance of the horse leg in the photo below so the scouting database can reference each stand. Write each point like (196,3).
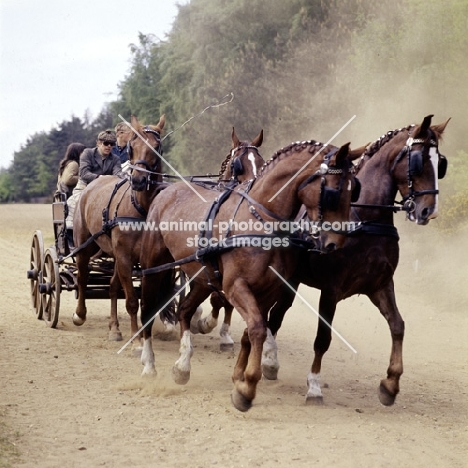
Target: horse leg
(149,308)
(247,371)
(270,362)
(124,269)
(327,308)
(208,323)
(226,342)
(384,299)
(114,287)
(182,367)
(82,264)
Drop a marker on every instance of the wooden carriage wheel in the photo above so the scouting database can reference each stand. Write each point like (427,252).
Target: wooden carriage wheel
(35,272)
(50,288)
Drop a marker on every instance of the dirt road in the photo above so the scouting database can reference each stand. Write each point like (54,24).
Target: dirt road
(68,399)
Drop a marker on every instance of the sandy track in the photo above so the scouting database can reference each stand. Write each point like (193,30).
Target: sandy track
(68,399)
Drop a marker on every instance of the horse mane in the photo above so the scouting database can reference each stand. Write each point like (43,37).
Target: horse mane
(224,164)
(283,153)
(377,144)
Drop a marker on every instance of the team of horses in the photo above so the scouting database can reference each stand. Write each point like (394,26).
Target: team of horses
(263,223)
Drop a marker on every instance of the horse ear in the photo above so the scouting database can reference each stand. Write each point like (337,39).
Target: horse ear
(161,122)
(235,140)
(357,153)
(426,123)
(257,142)
(439,129)
(134,122)
(342,153)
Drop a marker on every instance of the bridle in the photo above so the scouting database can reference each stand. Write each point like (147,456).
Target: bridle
(415,161)
(329,198)
(150,170)
(236,166)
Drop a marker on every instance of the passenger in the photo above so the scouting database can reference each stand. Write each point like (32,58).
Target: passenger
(123,133)
(94,162)
(69,169)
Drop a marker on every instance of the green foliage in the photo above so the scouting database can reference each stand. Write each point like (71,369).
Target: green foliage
(6,186)
(33,174)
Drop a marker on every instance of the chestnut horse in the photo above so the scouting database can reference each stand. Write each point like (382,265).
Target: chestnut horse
(406,161)
(249,276)
(120,201)
(242,164)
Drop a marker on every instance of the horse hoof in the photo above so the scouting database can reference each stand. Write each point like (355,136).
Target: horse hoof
(385,397)
(180,377)
(149,372)
(270,372)
(314,400)
(240,402)
(78,321)
(115,336)
(226,346)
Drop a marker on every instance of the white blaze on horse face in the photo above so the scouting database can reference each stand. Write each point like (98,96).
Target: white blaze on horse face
(252,160)
(434,155)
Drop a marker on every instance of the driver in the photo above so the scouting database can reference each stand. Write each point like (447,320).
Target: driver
(94,162)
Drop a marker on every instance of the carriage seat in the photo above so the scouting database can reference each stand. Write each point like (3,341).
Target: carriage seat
(63,236)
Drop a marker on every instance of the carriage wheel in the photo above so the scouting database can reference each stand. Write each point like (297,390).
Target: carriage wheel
(35,272)
(50,288)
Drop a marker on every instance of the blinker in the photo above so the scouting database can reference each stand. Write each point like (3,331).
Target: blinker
(415,163)
(330,199)
(237,167)
(356,190)
(442,167)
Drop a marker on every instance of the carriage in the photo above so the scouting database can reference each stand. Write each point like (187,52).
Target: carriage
(53,270)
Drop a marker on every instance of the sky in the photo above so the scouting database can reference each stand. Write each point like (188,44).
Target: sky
(60,58)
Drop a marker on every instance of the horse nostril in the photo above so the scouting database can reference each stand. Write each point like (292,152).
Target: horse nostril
(330,247)
(425,212)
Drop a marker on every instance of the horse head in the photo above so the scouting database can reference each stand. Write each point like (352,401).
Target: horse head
(144,150)
(327,195)
(417,166)
(244,161)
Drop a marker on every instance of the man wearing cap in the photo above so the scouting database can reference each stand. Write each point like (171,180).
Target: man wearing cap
(94,162)
(98,161)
